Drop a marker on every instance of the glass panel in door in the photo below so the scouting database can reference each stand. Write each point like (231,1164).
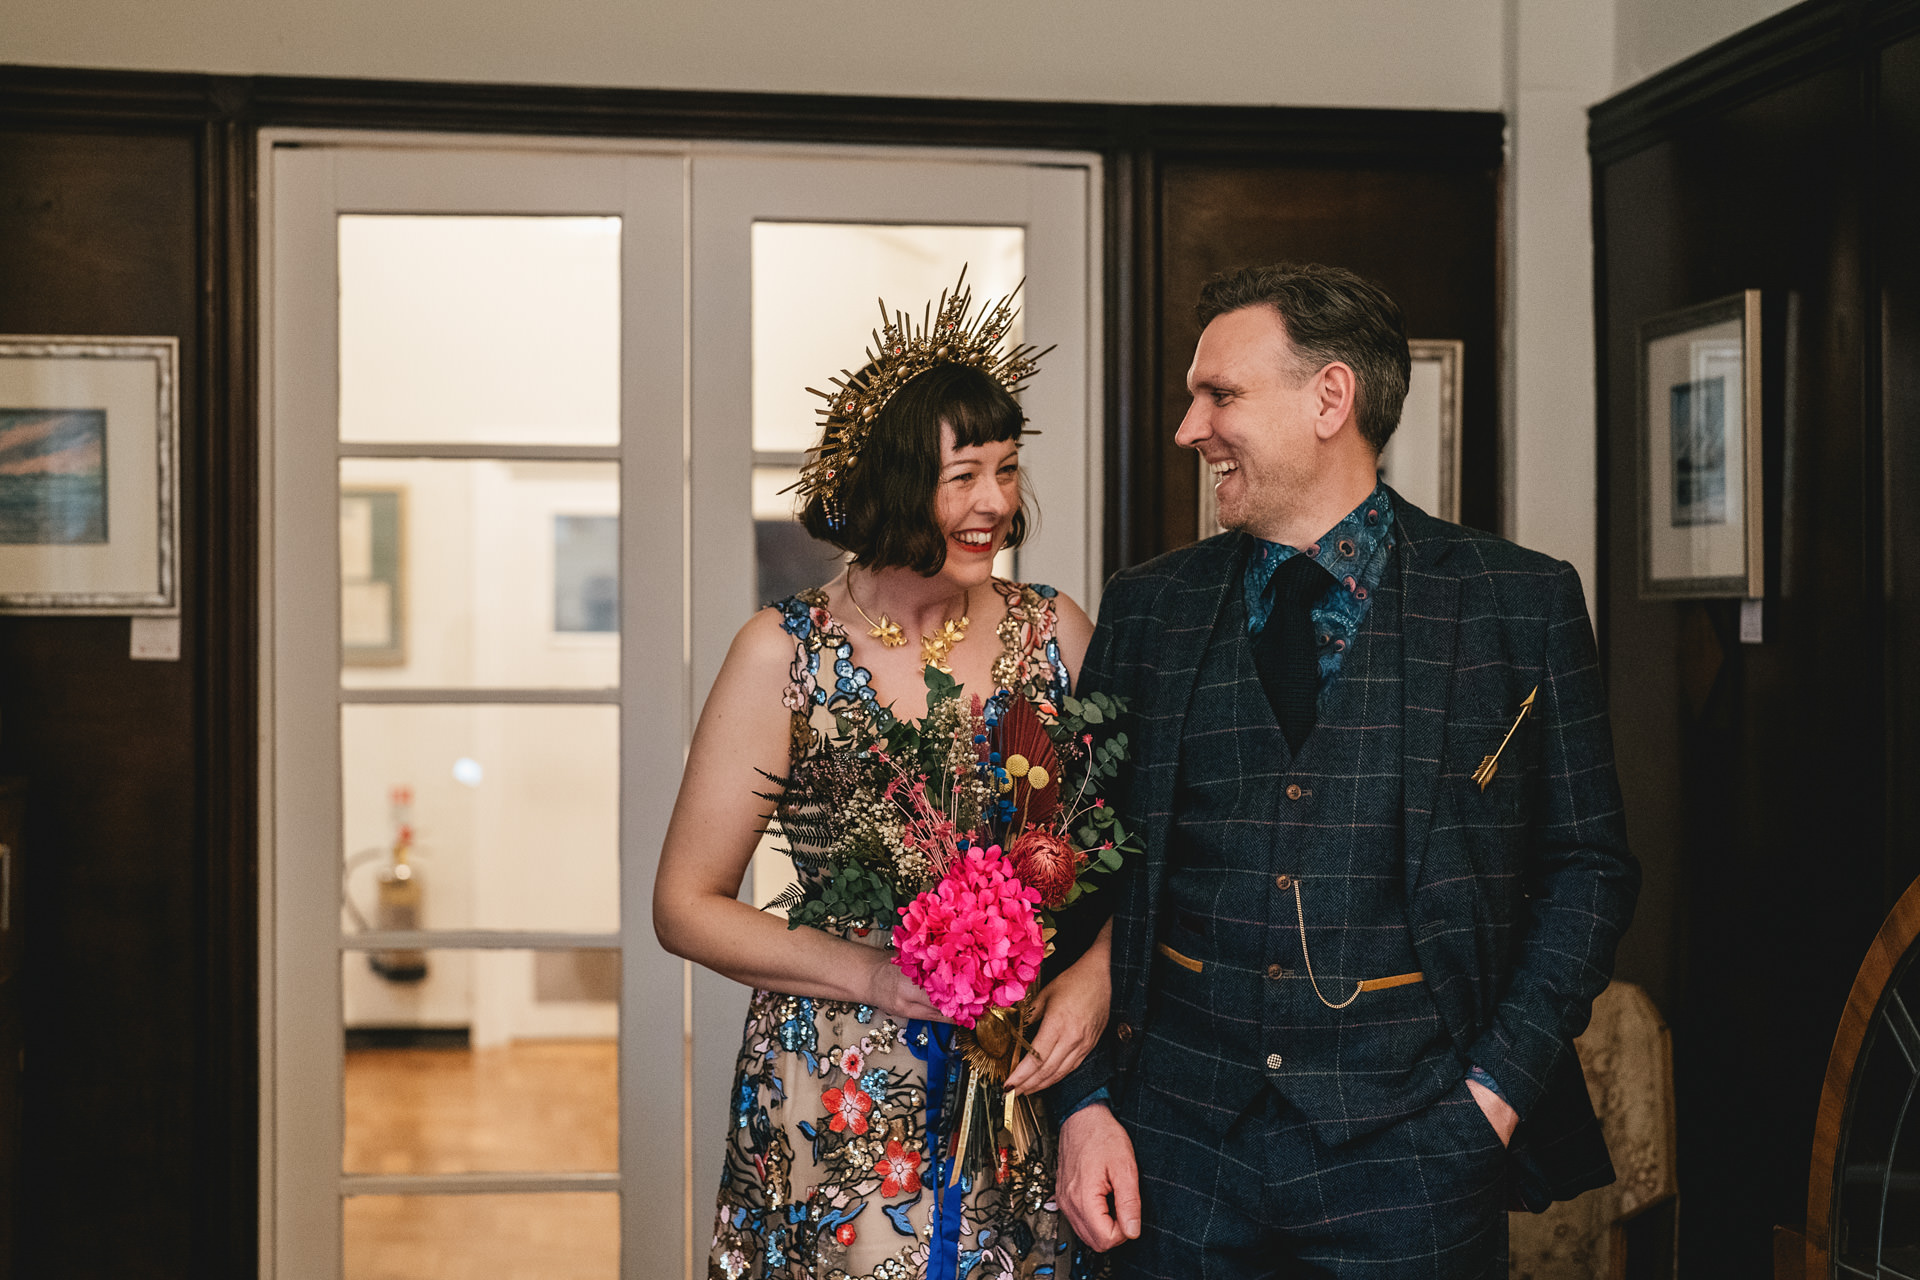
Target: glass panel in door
(479,742)
(479,330)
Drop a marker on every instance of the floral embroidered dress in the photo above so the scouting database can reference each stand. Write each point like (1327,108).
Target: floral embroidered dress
(830,1171)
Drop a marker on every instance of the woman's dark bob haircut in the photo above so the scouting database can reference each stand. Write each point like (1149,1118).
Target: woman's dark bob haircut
(887,498)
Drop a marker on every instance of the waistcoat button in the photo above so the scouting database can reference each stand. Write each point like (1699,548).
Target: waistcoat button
(1283,883)
(1124,1031)
(1273,1061)
(1275,971)
(1293,791)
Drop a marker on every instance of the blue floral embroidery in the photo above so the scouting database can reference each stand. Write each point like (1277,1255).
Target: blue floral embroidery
(1061,684)
(799,1033)
(796,617)
(851,684)
(875,1083)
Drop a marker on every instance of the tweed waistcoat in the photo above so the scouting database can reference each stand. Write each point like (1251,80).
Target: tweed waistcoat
(1249,821)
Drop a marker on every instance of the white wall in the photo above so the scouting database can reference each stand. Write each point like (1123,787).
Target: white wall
(1560,55)
(1652,35)
(1388,53)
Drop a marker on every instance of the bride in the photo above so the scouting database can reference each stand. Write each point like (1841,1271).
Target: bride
(830,1153)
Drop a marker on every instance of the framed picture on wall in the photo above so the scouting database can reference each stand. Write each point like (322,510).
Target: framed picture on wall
(373,576)
(89,475)
(1422,460)
(1700,472)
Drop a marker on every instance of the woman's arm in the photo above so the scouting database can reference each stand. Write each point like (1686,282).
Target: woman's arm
(744,735)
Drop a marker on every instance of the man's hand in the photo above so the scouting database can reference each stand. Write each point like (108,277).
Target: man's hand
(1072,1012)
(1096,1161)
(1502,1117)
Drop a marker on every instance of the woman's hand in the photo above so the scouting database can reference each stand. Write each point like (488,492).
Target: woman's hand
(895,994)
(1072,1012)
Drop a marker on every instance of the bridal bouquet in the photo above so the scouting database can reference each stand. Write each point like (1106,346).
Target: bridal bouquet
(963,832)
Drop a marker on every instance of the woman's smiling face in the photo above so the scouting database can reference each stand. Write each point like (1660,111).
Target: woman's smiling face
(974,503)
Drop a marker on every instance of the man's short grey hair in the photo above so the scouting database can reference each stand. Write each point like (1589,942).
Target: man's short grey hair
(1330,314)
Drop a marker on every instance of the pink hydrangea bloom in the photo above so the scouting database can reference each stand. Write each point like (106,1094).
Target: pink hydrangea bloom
(972,942)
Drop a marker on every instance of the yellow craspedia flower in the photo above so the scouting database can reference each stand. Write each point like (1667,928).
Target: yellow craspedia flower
(1017,766)
(1037,778)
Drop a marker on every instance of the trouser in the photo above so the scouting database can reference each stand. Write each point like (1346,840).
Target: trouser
(1424,1197)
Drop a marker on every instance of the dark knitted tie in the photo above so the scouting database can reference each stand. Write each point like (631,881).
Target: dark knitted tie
(1284,651)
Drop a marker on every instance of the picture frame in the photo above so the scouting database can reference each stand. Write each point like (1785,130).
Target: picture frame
(373,576)
(1700,461)
(1422,459)
(89,475)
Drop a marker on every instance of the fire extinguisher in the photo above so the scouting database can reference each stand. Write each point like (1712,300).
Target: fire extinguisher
(397,908)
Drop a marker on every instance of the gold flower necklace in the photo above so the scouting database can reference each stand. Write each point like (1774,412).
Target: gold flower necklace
(935,646)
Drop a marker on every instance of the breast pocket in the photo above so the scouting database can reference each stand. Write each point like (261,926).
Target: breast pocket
(1487,768)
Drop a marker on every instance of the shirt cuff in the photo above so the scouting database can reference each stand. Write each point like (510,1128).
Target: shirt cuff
(1485,1081)
(1098,1095)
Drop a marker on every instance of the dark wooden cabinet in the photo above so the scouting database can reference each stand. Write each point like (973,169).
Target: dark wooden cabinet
(13,792)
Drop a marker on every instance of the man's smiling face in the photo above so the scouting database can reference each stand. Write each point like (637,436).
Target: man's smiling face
(1252,419)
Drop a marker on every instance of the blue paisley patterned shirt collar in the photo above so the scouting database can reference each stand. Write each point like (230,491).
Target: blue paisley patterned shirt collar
(1354,552)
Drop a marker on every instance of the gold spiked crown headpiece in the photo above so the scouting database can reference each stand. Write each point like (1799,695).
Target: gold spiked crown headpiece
(902,351)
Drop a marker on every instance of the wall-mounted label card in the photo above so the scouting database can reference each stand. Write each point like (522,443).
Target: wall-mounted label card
(155,639)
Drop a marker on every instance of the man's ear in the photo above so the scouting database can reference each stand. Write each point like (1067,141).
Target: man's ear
(1336,398)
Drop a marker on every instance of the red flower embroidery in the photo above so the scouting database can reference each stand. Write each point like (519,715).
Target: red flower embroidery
(900,1170)
(849,1107)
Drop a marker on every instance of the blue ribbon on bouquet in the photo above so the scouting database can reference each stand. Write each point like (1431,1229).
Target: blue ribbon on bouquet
(933,1043)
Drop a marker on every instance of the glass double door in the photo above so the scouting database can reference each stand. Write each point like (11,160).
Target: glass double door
(529,412)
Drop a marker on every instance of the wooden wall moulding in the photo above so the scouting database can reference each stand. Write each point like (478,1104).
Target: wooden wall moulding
(1792,44)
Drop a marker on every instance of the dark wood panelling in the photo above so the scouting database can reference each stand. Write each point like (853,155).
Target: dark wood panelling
(1897,214)
(1428,236)
(1758,778)
(99,234)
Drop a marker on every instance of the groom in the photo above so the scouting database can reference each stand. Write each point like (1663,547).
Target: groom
(1386,864)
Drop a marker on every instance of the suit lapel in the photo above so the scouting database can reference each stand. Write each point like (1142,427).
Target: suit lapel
(1193,613)
(1430,626)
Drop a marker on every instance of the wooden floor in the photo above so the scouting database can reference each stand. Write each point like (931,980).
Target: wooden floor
(530,1107)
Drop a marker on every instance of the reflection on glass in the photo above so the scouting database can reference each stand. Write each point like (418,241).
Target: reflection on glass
(786,557)
(462,330)
(586,573)
(814,286)
(556,1236)
(491,1061)
(479,574)
(504,817)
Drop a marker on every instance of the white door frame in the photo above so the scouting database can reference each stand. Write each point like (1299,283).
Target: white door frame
(668,397)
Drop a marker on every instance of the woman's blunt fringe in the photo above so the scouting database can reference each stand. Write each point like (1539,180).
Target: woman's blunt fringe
(888,500)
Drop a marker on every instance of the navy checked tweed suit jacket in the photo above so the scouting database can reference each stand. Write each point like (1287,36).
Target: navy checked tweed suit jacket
(1516,895)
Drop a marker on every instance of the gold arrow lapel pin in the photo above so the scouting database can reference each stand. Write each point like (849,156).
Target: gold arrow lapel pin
(1490,765)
